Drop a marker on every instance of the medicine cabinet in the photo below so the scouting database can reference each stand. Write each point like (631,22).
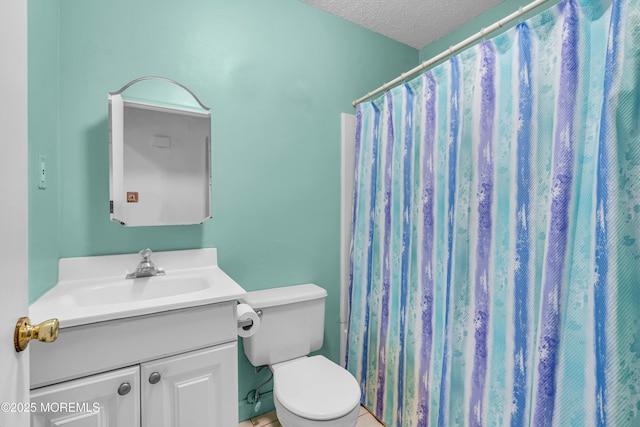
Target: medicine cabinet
(159,154)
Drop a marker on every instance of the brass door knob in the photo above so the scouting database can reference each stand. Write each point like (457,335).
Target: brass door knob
(46,331)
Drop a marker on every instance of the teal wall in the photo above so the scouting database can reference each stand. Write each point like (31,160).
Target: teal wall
(276,74)
(482,21)
(44,132)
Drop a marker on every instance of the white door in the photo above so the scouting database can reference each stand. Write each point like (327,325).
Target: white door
(197,389)
(14,367)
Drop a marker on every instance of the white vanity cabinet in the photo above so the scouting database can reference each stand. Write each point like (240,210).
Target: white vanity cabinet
(181,365)
(196,389)
(155,351)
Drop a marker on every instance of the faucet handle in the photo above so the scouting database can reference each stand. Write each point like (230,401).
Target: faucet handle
(145,254)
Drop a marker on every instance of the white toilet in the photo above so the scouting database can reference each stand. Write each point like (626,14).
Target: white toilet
(308,391)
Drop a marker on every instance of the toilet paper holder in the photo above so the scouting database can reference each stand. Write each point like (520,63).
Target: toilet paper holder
(247,324)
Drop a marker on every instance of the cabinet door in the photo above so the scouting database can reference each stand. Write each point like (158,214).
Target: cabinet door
(102,400)
(197,389)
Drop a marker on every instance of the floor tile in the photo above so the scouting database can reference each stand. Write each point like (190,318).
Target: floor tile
(270,419)
(264,419)
(368,420)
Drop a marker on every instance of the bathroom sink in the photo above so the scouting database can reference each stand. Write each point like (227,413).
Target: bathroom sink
(147,288)
(94,289)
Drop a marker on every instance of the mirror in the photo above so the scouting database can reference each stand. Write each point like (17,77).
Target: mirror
(159,156)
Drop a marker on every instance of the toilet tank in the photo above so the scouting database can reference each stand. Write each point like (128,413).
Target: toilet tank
(291,326)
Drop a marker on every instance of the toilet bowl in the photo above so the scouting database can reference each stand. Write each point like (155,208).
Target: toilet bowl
(314,391)
(308,391)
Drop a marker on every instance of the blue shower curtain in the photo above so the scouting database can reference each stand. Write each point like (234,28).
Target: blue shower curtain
(495,259)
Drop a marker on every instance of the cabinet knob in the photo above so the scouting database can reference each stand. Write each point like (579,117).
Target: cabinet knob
(155,377)
(124,389)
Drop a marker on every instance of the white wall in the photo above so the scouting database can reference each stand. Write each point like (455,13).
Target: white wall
(348,123)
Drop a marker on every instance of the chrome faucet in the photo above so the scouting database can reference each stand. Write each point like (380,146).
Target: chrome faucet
(146,267)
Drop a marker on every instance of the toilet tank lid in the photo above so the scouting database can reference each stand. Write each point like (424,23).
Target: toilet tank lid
(284,295)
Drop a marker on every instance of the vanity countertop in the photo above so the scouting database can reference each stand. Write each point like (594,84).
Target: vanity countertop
(94,289)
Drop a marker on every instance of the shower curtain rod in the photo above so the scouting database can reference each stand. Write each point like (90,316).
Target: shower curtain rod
(452,49)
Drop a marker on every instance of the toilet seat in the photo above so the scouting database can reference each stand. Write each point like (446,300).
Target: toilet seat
(316,388)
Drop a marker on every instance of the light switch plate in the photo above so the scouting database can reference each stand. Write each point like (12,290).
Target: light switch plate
(42,172)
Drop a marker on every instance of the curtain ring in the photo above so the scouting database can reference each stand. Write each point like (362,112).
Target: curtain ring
(520,13)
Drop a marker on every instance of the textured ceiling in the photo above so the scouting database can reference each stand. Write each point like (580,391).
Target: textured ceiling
(413,22)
